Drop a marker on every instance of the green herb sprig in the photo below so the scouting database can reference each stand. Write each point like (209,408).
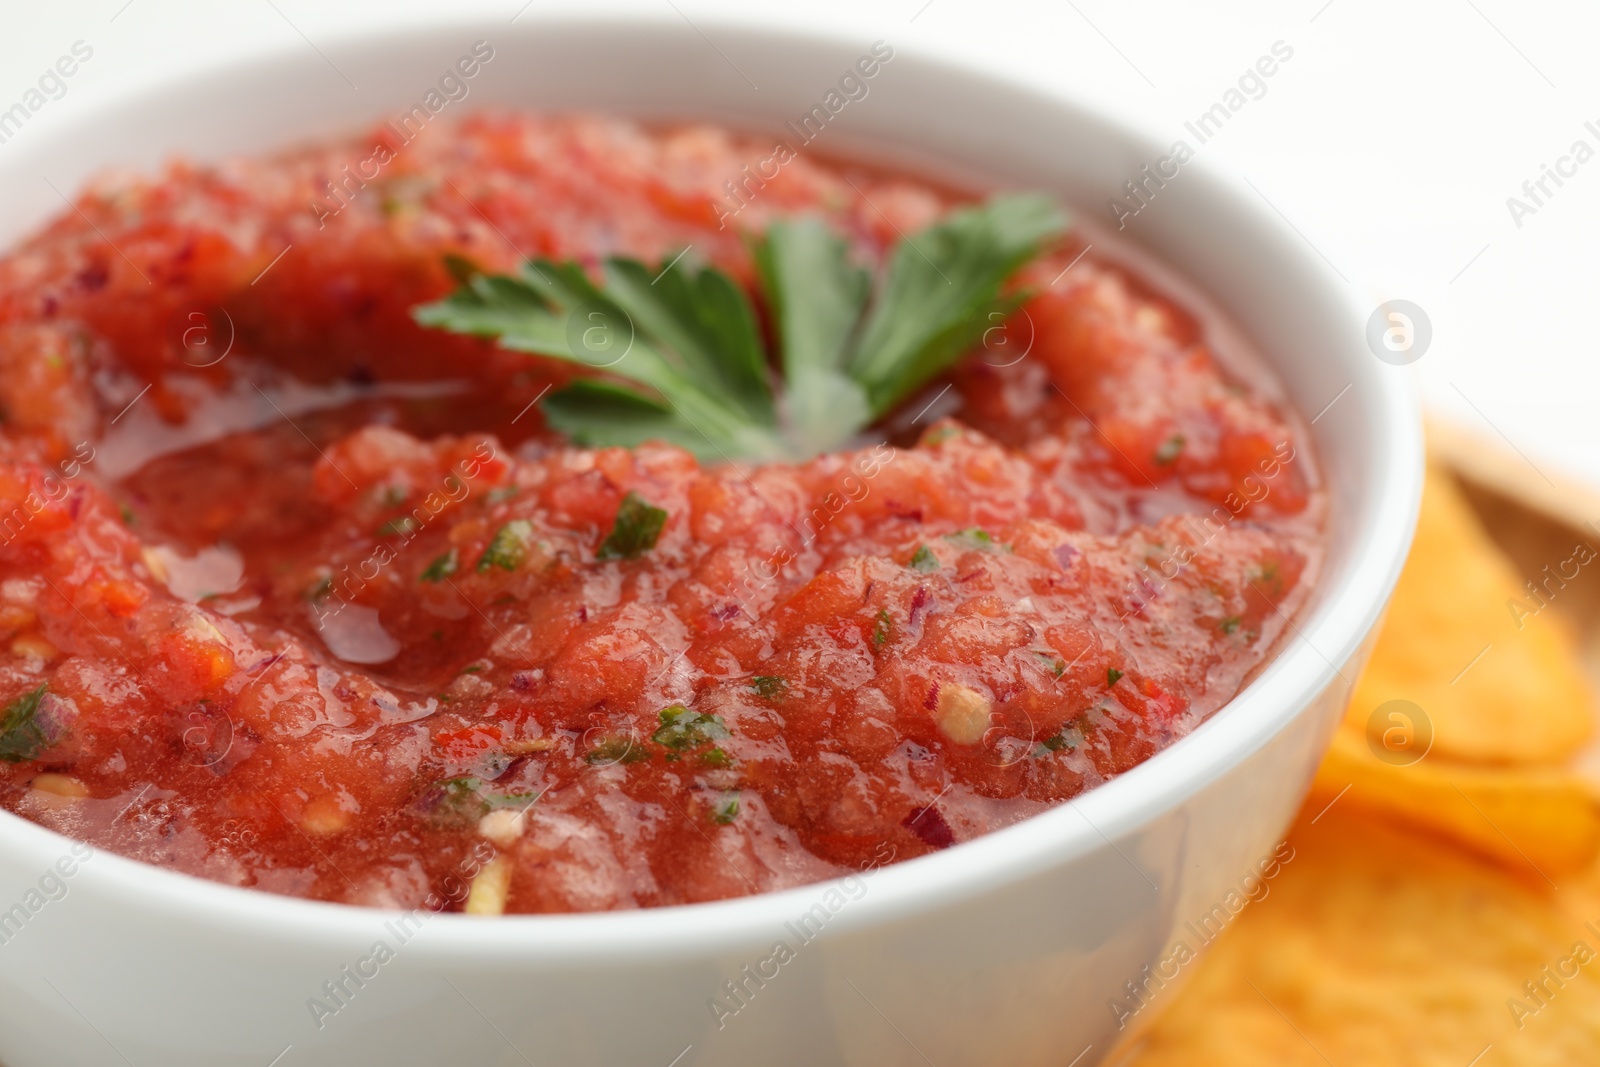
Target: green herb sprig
(683,355)
(637,528)
(23,734)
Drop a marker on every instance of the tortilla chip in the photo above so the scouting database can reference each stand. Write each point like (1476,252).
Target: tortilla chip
(1378,947)
(1463,640)
(1542,819)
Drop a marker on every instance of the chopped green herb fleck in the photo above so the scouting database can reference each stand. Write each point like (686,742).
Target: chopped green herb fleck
(22,735)
(725,810)
(474,669)
(394,496)
(501,494)
(1265,574)
(881,628)
(463,801)
(442,567)
(322,590)
(520,801)
(456,801)
(1112,676)
(617,750)
(636,530)
(405,525)
(509,546)
(1230,624)
(128,517)
(769,686)
(682,729)
(716,757)
(924,560)
(1052,663)
(972,537)
(979,540)
(1069,738)
(1170,450)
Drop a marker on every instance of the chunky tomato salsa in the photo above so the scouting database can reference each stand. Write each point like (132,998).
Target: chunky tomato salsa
(300,591)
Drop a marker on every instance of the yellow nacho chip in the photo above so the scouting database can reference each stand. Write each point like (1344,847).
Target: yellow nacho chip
(1541,818)
(1494,671)
(1376,947)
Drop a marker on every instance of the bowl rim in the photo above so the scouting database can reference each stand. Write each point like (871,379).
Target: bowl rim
(1300,669)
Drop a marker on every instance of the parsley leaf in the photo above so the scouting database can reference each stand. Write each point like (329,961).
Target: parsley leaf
(702,396)
(940,289)
(682,356)
(924,560)
(459,267)
(596,413)
(817,296)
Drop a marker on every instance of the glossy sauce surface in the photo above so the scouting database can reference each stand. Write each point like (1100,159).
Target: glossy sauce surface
(298,595)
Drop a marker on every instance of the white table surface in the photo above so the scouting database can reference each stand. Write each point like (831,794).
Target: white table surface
(1391,140)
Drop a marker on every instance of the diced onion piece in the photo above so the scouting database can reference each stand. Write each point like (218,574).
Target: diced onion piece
(502,826)
(155,561)
(213,570)
(15,618)
(354,634)
(490,888)
(19,591)
(33,646)
(962,713)
(323,817)
(61,785)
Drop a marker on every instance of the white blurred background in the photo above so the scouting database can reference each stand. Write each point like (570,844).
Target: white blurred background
(1391,140)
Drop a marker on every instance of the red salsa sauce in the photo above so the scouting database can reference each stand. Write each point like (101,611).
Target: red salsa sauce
(298,595)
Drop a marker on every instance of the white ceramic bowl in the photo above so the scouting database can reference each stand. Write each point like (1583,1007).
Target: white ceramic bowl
(1007,949)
